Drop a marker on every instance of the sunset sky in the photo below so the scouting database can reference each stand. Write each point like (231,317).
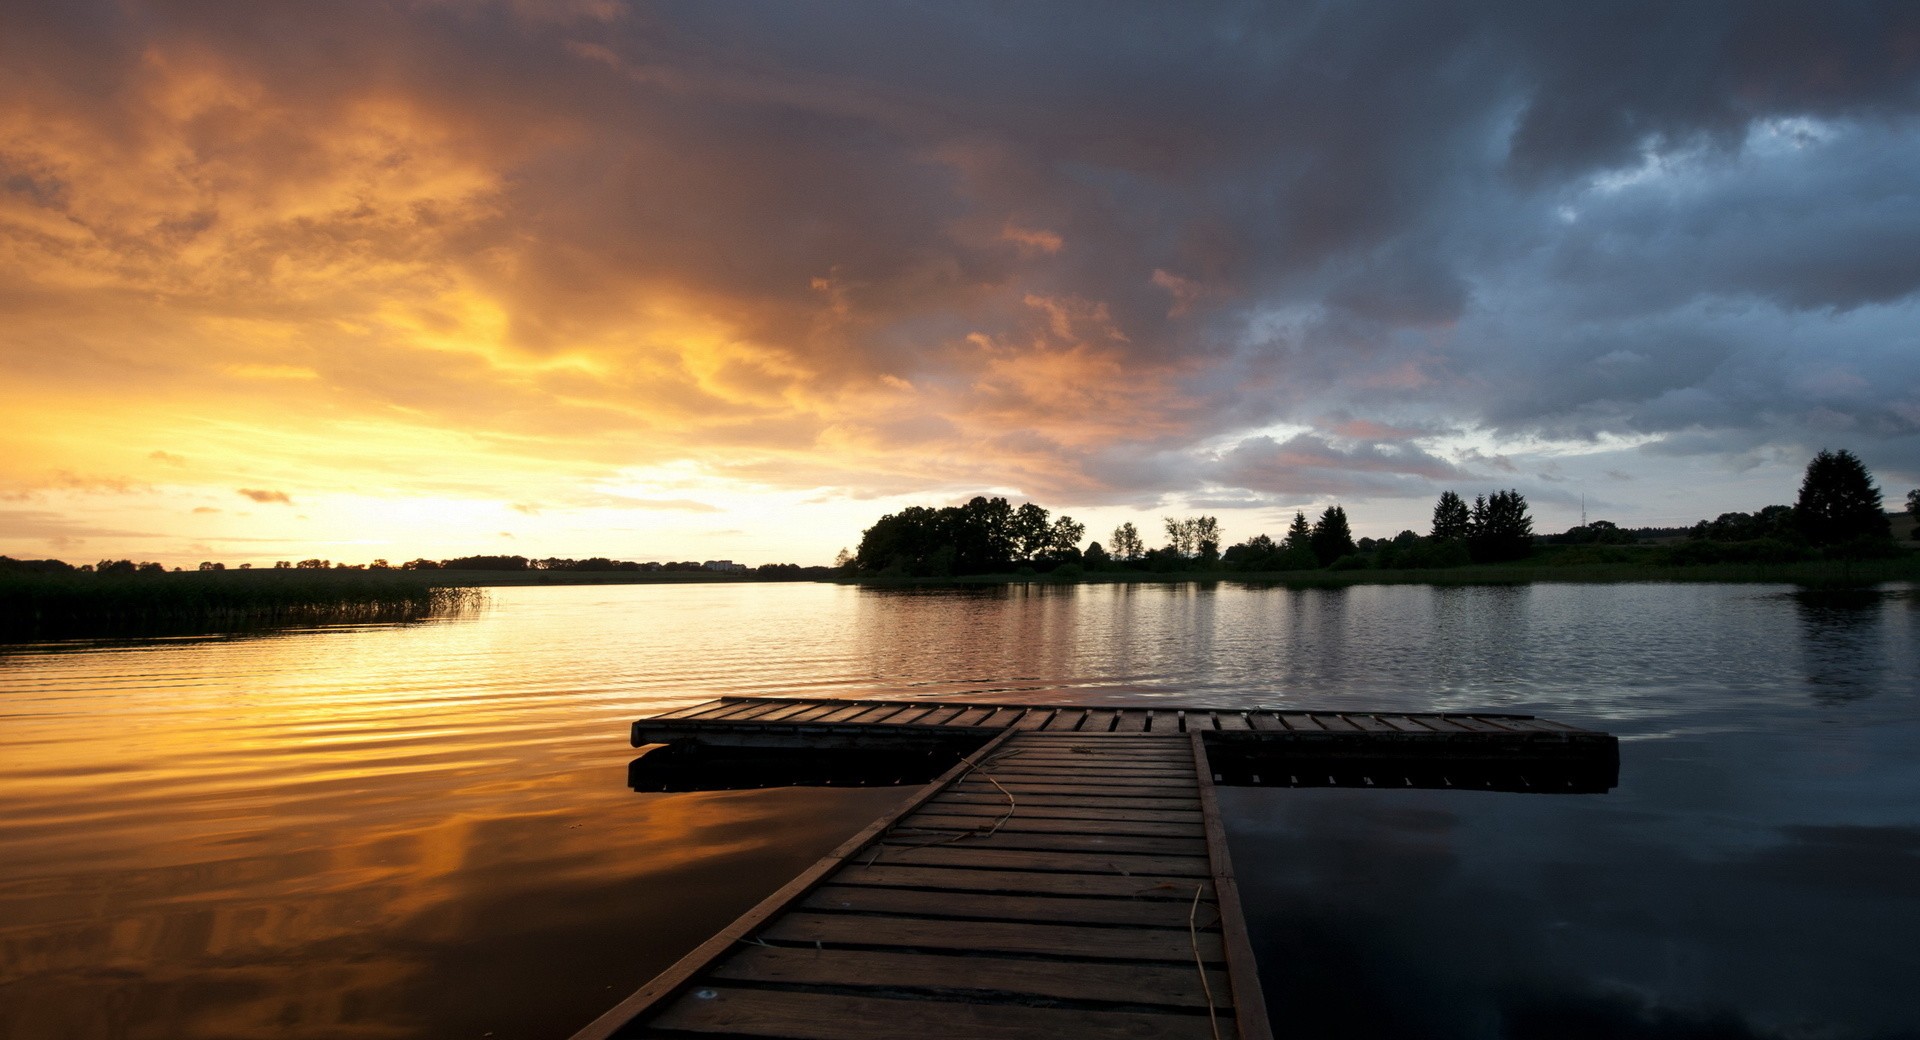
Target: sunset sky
(699,280)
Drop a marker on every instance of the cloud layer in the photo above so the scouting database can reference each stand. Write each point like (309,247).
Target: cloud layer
(1092,254)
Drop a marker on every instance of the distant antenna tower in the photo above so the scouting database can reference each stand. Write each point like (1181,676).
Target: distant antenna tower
(1583,509)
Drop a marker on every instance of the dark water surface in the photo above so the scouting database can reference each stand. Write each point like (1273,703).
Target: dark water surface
(425,831)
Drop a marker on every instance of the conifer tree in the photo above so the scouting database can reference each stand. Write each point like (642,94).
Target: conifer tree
(1839,502)
(1331,537)
(1450,517)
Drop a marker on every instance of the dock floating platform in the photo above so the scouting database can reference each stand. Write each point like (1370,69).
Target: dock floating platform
(1066,877)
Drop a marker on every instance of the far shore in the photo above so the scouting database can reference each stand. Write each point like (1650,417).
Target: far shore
(1809,573)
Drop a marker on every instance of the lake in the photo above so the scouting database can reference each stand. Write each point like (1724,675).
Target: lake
(425,831)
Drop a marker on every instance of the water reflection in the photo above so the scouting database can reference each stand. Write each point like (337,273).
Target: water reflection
(426,831)
(1842,641)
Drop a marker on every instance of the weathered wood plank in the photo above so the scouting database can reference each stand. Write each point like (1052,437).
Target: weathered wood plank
(1231,720)
(1064,813)
(1368,723)
(934,820)
(1060,940)
(1098,722)
(1096,766)
(1161,913)
(787,712)
(1060,980)
(1028,882)
(1134,721)
(1183,803)
(1067,719)
(1475,724)
(1066,862)
(903,836)
(846,712)
(1119,783)
(970,716)
(707,707)
(1035,718)
(820,710)
(1100,790)
(754,711)
(821,1016)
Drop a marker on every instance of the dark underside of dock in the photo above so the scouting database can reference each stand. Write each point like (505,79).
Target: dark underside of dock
(1056,872)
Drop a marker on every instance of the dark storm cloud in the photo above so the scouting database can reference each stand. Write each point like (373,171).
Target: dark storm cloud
(1071,242)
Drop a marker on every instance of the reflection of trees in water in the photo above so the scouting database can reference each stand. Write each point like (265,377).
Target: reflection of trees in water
(1842,642)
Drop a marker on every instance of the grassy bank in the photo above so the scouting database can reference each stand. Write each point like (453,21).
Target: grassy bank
(1807,573)
(37,606)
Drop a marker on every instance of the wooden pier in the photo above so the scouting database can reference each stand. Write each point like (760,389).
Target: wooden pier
(1067,877)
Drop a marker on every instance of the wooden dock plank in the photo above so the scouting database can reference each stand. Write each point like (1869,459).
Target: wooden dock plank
(947,807)
(1059,940)
(1369,723)
(981,786)
(1055,909)
(1058,980)
(1072,801)
(906,836)
(928,820)
(1140,886)
(1035,718)
(823,1016)
(1121,783)
(1060,862)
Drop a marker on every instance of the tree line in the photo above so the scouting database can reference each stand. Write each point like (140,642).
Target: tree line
(1837,515)
(763,572)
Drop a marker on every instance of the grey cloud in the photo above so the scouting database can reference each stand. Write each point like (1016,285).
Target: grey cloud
(1419,189)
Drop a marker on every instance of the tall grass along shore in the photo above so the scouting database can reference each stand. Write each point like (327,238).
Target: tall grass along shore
(39,606)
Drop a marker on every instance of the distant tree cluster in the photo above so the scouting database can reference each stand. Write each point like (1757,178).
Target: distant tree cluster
(1837,514)
(985,536)
(763,572)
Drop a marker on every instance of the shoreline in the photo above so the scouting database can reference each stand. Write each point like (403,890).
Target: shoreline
(1806,573)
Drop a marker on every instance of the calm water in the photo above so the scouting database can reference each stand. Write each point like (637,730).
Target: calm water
(425,831)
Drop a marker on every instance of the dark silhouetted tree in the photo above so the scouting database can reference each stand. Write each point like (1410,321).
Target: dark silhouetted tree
(1839,502)
(1331,537)
(1205,531)
(1063,541)
(1299,535)
(1126,543)
(1179,536)
(1095,557)
(1500,528)
(1450,517)
(1032,532)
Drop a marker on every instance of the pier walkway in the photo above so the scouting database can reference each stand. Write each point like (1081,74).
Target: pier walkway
(1067,877)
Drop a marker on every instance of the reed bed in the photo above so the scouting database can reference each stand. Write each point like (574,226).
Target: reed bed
(36,606)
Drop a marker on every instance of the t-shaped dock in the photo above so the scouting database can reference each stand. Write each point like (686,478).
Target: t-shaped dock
(1067,876)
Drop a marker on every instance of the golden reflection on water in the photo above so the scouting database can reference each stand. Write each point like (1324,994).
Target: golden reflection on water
(359,834)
